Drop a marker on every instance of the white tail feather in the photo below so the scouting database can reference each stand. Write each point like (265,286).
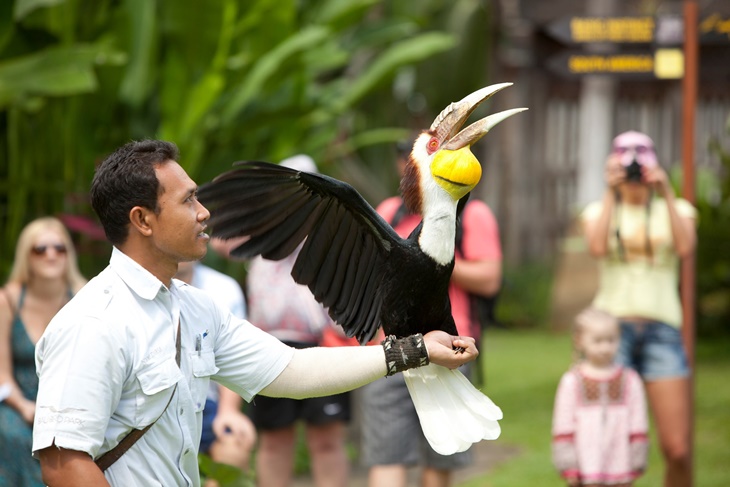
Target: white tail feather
(453,413)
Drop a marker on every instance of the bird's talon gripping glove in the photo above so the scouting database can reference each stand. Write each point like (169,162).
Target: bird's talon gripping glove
(404,353)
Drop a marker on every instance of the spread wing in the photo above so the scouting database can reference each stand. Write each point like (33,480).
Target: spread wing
(347,242)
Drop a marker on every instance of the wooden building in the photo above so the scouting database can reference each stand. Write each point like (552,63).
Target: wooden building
(580,95)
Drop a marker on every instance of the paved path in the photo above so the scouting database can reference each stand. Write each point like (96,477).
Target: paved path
(487,454)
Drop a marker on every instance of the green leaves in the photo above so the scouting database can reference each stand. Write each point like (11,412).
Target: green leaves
(406,52)
(225,475)
(223,79)
(137,83)
(342,14)
(55,71)
(268,64)
(25,7)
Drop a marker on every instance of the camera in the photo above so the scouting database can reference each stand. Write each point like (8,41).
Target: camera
(635,151)
(633,171)
(634,158)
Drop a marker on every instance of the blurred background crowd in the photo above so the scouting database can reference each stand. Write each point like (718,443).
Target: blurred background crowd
(344,82)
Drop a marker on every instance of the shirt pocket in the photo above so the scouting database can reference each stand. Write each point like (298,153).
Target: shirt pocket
(203,365)
(157,384)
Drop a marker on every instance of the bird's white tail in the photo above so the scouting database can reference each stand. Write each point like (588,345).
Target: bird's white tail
(453,413)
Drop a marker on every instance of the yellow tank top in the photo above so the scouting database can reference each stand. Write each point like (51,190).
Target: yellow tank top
(637,279)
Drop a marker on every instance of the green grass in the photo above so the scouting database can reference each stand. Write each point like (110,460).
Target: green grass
(522,373)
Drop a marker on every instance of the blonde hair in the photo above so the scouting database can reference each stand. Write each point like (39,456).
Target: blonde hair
(20,272)
(586,318)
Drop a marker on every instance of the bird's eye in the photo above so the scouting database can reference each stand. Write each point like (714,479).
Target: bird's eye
(433,145)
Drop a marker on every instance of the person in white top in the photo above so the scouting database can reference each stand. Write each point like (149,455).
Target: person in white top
(136,347)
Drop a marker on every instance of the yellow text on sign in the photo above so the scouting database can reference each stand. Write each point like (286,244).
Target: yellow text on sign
(613,29)
(622,63)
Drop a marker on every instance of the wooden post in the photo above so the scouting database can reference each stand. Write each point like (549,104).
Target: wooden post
(689,101)
(688,279)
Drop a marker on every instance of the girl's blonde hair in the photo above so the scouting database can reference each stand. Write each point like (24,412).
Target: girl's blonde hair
(586,318)
(20,272)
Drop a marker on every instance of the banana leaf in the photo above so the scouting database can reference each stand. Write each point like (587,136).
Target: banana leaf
(137,83)
(55,71)
(267,66)
(405,52)
(25,7)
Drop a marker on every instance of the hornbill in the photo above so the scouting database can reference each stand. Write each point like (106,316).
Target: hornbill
(360,269)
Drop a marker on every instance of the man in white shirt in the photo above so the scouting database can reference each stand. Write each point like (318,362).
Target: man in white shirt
(136,347)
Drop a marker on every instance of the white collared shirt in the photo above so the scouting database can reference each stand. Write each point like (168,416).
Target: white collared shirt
(106,364)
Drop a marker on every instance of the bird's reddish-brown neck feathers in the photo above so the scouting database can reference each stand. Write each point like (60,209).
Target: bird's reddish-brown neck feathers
(410,187)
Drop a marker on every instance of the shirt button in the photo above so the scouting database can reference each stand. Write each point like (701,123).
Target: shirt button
(187,451)
(181,411)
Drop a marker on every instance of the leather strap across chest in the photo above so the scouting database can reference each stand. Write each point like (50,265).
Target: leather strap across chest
(107,459)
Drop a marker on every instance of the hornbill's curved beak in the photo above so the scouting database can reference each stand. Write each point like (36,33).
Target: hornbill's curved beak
(446,126)
(454,167)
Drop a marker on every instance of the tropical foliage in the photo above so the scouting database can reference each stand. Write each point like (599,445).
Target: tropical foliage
(713,260)
(225,80)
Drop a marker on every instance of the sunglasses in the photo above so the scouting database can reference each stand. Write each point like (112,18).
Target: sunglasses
(640,149)
(42,249)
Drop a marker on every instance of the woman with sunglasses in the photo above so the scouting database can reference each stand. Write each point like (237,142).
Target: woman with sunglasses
(43,278)
(639,240)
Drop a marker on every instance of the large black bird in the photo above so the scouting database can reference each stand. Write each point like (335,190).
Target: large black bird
(360,269)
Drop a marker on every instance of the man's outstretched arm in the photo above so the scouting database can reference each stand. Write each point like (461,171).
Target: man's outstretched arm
(325,371)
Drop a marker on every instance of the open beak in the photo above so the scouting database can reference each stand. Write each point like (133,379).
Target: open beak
(446,126)
(454,167)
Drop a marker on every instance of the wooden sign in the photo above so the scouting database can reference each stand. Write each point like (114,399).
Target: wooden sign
(714,28)
(658,64)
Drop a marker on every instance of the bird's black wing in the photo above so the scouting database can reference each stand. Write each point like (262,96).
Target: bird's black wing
(347,242)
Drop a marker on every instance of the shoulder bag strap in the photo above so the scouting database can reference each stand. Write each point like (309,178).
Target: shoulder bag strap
(107,459)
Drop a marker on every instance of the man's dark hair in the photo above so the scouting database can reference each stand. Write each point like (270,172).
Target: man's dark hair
(125,179)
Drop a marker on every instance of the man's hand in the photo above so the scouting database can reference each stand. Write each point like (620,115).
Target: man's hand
(441,345)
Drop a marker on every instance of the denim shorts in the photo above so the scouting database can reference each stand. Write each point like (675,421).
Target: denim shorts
(654,349)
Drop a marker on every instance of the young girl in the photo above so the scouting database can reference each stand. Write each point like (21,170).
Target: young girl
(599,421)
